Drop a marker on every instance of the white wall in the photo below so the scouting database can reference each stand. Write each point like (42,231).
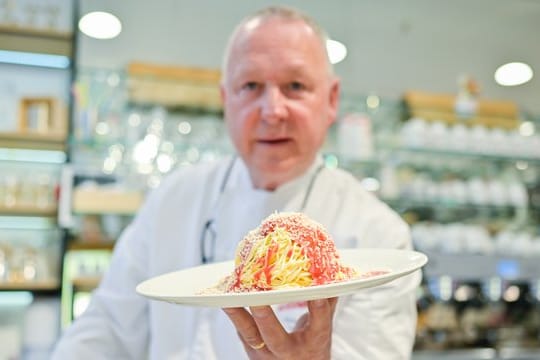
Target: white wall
(394,45)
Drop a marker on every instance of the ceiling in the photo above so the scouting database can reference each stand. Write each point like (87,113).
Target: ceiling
(393,45)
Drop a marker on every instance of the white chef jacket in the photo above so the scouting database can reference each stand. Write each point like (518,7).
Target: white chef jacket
(375,323)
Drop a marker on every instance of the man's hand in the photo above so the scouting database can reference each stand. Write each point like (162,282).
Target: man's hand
(264,337)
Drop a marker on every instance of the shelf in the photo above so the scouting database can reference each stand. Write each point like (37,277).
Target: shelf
(85,283)
(174,86)
(110,201)
(34,141)
(36,32)
(445,205)
(21,210)
(476,266)
(36,40)
(87,245)
(466,154)
(386,153)
(43,285)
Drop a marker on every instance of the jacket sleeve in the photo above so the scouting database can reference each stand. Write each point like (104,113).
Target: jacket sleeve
(379,323)
(115,325)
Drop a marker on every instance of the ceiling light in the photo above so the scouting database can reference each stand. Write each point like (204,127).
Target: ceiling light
(100,25)
(336,51)
(526,128)
(512,74)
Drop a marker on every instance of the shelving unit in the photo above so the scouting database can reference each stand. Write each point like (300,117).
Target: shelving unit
(472,156)
(83,268)
(482,278)
(20,210)
(475,266)
(35,141)
(36,72)
(29,152)
(40,41)
(33,286)
(98,201)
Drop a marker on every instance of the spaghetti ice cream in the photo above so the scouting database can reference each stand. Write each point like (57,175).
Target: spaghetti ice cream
(287,250)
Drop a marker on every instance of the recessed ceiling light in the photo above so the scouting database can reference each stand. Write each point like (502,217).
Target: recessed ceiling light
(336,51)
(100,25)
(512,74)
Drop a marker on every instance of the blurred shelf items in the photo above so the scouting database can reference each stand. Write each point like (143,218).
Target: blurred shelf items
(80,149)
(36,70)
(466,176)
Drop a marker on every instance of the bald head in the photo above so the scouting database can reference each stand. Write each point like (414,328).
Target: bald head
(279,95)
(276,13)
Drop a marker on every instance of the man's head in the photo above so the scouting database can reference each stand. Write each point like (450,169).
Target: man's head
(279,92)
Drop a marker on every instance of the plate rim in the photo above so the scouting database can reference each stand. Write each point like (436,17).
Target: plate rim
(350,285)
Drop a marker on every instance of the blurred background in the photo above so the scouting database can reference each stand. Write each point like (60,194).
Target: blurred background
(94,116)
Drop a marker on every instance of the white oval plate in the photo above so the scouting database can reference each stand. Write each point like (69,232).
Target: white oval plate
(182,287)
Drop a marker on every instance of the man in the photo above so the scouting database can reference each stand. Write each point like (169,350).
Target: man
(280,97)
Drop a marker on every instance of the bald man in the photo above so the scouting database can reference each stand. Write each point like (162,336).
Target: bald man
(280,97)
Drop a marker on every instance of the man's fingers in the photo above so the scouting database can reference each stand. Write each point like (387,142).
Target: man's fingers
(333,303)
(302,322)
(261,330)
(245,326)
(321,313)
(272,332)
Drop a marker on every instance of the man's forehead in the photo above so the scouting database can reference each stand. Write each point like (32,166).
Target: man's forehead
(252,59)
(257,42)
(262,36)
(288,69)
(258,25)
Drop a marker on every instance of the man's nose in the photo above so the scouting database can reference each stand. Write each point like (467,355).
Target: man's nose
(273,107)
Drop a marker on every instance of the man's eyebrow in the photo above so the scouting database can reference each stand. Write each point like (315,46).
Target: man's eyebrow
(243,72)
(246,71)
(294,71)
(298,71)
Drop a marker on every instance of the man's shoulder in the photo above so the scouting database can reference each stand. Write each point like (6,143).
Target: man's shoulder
(360,211)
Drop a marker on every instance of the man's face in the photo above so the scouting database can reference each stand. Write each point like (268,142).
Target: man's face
(279,99)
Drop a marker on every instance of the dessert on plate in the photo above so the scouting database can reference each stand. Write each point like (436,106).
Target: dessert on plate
(287,250)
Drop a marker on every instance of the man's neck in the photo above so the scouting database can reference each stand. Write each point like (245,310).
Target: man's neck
(270,181)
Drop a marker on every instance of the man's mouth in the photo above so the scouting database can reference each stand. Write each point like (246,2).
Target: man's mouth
(278,141)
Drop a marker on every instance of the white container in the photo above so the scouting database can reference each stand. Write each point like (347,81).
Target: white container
(437,135)
(355,138)
(413,133)
(479,139)
(458,136)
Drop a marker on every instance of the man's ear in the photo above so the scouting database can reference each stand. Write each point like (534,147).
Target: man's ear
(222,93)
(333,100)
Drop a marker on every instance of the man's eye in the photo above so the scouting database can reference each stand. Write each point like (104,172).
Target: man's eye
(251,85)
(296,86)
